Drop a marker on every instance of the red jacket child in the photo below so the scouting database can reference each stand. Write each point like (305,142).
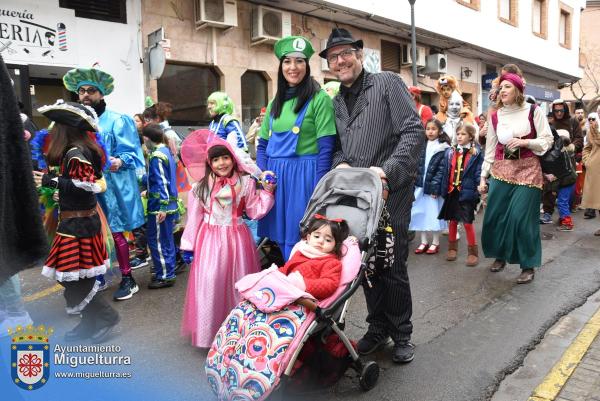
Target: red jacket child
(321,274)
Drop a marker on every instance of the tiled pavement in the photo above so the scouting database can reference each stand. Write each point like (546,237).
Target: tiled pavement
(584,383)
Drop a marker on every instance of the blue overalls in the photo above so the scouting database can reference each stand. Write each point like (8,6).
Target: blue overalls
(296,180)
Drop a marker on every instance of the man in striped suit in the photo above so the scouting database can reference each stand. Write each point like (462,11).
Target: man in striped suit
(378,128)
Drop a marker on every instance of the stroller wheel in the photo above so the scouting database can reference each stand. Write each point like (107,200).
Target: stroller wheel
(369,375)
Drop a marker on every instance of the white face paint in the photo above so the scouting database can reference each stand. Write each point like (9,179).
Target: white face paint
(455,104)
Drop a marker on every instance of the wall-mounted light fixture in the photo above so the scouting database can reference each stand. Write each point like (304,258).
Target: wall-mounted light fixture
(465,72)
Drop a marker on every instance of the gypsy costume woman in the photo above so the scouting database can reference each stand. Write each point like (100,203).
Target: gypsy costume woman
(511,232)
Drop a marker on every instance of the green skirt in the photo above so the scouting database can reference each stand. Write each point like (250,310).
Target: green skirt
(511,227)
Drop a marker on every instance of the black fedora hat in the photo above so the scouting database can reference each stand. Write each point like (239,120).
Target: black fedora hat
(340,36)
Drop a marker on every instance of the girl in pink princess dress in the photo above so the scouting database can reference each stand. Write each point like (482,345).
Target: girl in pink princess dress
(222,245)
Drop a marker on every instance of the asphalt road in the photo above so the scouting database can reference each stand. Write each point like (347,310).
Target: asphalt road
(471,326)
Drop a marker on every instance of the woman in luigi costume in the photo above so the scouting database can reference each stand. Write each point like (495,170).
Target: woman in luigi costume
(296,141)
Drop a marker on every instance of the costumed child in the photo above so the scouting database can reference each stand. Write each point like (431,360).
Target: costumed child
(248,342)
(428,189)
(162,206)
(222,245)
(78,252)
(315,266)
(223,123)
(463,168)
(563,181)
(159,113)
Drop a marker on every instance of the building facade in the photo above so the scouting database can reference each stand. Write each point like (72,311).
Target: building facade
(228,45)
(587,90)
(40,40)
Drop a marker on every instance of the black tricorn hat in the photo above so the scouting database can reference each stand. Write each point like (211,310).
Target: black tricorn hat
(71,114)
(340,36)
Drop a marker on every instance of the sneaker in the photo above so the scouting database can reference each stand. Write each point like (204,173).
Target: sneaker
(404,352)
(546,218)
(137,262)
(127,288)
(180,267)
(156,284)
(371,343)
(565,224)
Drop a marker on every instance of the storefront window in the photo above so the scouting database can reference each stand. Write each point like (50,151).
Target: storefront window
(187,87)
(254,96)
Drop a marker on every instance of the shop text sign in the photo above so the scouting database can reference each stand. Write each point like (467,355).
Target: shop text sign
(37,35)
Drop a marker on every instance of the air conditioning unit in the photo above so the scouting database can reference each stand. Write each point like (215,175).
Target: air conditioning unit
(324,63)
(407,55)
(270,24)
(217,13)
(436,65)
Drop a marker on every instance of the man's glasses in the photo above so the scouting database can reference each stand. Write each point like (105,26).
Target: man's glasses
(344,54)
(90,91)
(559,110)
(592,119)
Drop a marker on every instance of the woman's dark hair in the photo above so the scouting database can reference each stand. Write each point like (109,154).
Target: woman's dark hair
(442,137)
(305,90)
(155,133)
(65,137)
(202,190)
(339,230)
(161,111)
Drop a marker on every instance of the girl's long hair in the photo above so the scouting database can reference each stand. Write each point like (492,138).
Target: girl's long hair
(306,89)
(65,137)
(442,137)
(202,190)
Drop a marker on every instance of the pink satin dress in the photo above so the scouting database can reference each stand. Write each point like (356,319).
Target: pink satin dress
(224,252)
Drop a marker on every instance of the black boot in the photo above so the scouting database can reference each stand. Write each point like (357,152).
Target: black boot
(83,330)
(105,318)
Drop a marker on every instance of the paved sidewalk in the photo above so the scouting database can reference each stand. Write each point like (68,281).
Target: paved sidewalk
(584,383)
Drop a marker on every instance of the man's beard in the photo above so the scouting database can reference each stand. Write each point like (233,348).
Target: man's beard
(90,102)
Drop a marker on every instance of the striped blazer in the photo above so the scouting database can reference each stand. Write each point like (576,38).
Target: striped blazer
(384,130)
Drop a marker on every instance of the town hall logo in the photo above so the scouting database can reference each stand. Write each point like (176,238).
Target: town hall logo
(30,356)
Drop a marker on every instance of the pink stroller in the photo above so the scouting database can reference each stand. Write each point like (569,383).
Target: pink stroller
(254,353)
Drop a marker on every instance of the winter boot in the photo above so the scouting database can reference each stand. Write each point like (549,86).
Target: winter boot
(452,251)
(473,255)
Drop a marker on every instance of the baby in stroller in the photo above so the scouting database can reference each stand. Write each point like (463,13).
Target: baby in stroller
(255,349)
(311,274)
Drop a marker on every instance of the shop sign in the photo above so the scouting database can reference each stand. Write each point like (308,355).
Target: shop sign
(34,34)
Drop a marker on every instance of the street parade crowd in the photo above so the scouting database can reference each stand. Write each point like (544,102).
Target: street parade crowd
(129,189)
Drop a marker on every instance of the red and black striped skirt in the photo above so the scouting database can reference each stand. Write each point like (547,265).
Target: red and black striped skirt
(74,258)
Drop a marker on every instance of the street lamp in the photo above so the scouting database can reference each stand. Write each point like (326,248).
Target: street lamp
(413,37)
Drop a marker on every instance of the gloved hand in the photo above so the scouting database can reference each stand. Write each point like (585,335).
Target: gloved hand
(296,279)
(188,257)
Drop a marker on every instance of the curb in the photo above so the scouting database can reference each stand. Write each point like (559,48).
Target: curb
(555,380)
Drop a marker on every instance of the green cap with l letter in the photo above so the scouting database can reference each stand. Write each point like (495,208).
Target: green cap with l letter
(293,46)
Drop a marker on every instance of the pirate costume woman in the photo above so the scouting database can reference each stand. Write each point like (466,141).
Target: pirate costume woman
(78,251)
